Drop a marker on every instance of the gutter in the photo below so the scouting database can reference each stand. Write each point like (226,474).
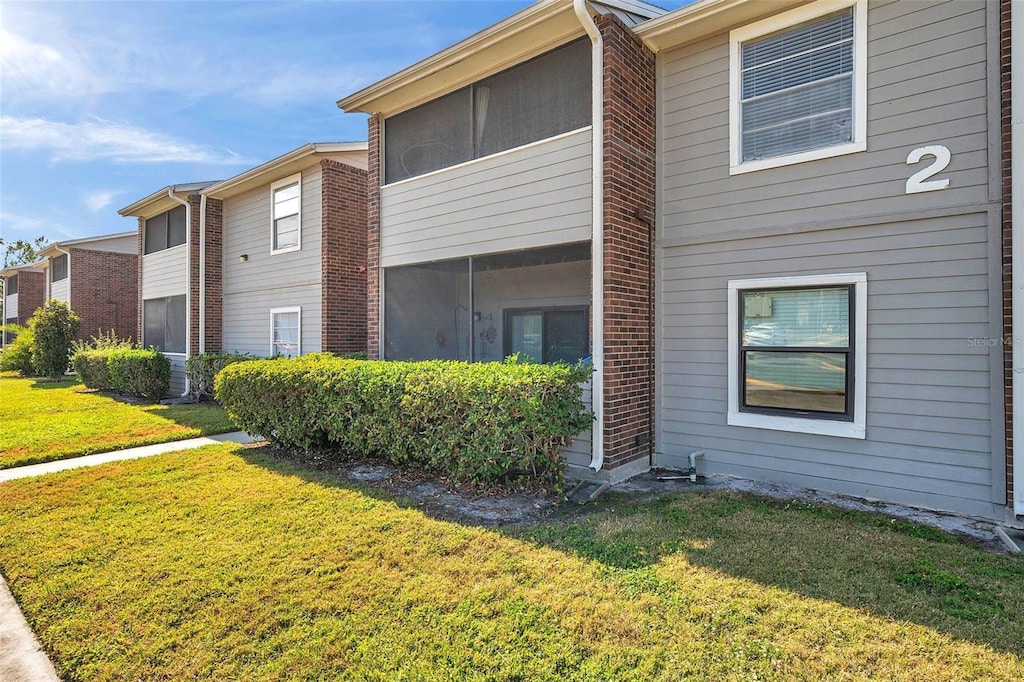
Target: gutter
(188,282)
(597,233)
(1017,241)
(202,276)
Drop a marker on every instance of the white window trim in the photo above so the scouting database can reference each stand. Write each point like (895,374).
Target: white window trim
(274,186)
(823,427)
(860,82)
(277,311)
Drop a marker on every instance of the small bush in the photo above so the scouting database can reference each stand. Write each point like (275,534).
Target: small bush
(145,373)
(53,330)
(17,355)
(90,359)
(483,422)
(92,368)
(201,369)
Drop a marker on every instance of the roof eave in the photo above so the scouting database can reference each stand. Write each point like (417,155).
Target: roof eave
(232,186)
(706,17)
(137,209)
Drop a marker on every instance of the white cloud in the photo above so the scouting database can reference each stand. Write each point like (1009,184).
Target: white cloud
(99,139)
(32,70)
(97,201)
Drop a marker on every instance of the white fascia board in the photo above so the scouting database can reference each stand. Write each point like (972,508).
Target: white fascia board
(281,166)
(706,17)
(143,208)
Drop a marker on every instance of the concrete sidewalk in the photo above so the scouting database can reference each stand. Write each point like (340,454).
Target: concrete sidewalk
(21,659)
(118,455)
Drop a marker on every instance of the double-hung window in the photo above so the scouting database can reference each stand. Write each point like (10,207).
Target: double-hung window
(286,196)
(797,354)
(11,285)
(286,332)
(799,86)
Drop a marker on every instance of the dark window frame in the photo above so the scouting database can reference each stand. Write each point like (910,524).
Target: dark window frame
(508,313)
(849,351)
(11,285)
(163,343)
(59,268)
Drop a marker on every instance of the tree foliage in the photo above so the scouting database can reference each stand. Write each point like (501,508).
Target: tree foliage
(18,252)
(54,327)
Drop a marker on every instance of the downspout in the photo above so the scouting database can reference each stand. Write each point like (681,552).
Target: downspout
(202,274)
(597,228)
(1017,247)
(188,282)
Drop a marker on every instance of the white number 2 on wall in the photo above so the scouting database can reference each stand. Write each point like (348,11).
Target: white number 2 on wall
(919,181)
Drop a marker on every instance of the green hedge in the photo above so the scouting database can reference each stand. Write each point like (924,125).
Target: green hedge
(17,355)
(92,368)
(140,372)
(482,422)
(201,369)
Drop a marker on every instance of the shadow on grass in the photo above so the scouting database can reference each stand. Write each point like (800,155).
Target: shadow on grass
(889,568)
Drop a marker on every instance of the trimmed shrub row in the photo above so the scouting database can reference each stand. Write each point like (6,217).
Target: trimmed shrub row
(481,422)
(144,373)
(201,369)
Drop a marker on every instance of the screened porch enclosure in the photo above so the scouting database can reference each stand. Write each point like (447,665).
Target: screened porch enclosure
(532,302)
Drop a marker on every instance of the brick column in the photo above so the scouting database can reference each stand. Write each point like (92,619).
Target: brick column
(31,294)
(343,257)
(373,292)
(212,275)
(1007,235)
(629,196)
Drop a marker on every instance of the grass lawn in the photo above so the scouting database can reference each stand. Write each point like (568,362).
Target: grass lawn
(41,421)
(223,563)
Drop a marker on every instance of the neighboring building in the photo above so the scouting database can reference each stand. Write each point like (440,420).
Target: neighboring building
(167,242)
(97,278)
(796,267)
(269,262)
(24,293)
(286,255)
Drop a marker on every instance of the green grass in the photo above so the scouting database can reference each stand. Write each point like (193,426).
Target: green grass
(222,563)
(42,421)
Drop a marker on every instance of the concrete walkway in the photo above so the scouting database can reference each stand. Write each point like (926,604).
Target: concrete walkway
(21,658)
(118,455)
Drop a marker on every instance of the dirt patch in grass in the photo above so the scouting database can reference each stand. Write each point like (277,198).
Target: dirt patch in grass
(437,496)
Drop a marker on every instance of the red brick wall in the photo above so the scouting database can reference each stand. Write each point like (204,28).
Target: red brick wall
(104,292)
(343,257)
(138,282)
(629,149)
(373,241)
(1007,225)
(212,275)
(31,294)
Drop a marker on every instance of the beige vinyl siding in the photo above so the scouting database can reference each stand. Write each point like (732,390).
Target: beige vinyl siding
(265,281)
(165,273)
(536,195)
(11,306)
(926,85)
(59,290)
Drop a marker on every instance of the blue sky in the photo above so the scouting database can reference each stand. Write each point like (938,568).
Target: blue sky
(103,103)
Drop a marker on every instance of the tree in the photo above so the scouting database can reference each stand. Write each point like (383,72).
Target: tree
(54,327)
(18,252)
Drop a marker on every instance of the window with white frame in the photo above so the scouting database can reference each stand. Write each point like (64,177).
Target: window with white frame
(286,230)
(797,358)
(799,86)
(285,332)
